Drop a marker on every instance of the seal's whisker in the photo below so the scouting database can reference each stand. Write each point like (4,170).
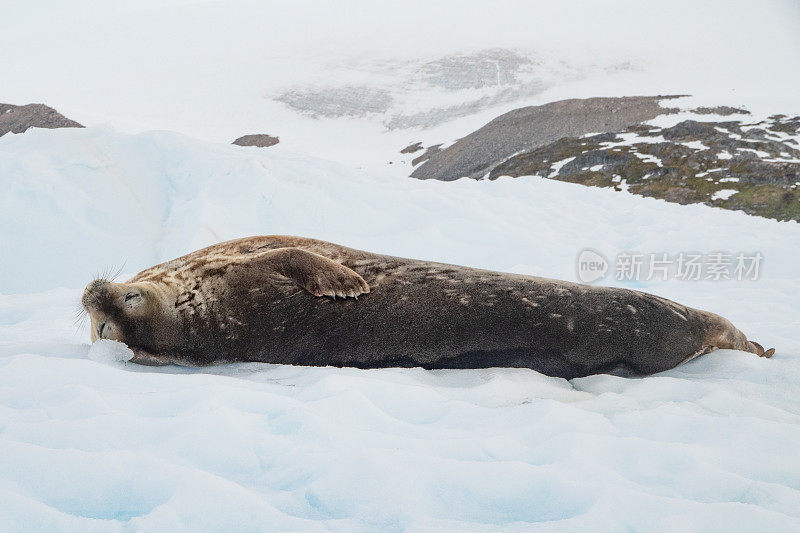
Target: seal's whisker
(117,272)
(80,318)
(79,321)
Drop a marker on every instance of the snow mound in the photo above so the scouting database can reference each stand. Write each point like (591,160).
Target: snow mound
(108,351)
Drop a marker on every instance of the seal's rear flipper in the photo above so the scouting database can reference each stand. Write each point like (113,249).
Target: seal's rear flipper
(761,352)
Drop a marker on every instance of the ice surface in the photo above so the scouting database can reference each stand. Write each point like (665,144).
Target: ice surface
(87,445)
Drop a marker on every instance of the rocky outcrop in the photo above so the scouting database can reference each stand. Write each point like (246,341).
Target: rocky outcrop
(753,167)
(723,110)
(528,128)
(262,140)
(411,148)
(18,118)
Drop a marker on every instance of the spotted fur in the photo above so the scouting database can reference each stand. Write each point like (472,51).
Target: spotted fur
(293,300)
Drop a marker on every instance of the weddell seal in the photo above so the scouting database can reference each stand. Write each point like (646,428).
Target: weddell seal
(291,300)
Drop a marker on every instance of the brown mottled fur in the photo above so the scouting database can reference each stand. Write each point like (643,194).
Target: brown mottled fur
(273,299)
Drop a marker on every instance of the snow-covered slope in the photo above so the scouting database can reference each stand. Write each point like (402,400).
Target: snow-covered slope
(219,70)
(87,445)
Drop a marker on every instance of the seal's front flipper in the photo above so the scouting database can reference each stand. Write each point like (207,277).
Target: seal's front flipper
(143,357)
(147,358)
(315,273)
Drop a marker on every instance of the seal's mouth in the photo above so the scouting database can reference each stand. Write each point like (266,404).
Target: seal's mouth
(97,300)
(104,329)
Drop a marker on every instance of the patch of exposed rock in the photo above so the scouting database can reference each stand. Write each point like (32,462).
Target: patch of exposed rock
(528,128)
(18,118)
(262,140)
(411,148)
(429,152)
(723,110)
(336,102)
(753,167)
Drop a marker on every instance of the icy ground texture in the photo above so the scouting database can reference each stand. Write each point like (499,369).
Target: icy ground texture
(87,445)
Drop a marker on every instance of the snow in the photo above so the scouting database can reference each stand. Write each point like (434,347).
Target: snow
(760,153)
(728,180)
(783,136)
(153,72)
(695,145)
(631,138)
(783,160)
(724,154)
(649,158)
(723,194)
(703,174)
(91,443)
(556,167)
(622,185)
(108,351)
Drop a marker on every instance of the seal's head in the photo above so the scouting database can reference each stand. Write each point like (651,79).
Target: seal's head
(121,311)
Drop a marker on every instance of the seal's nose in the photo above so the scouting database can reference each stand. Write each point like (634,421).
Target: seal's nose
(98,285)
(94,292)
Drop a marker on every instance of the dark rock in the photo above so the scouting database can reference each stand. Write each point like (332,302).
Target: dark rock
(530,127)
(723,110)
(429,152)
(262,140)
(690,130)
(753,161)
(411,148)
(17,119)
